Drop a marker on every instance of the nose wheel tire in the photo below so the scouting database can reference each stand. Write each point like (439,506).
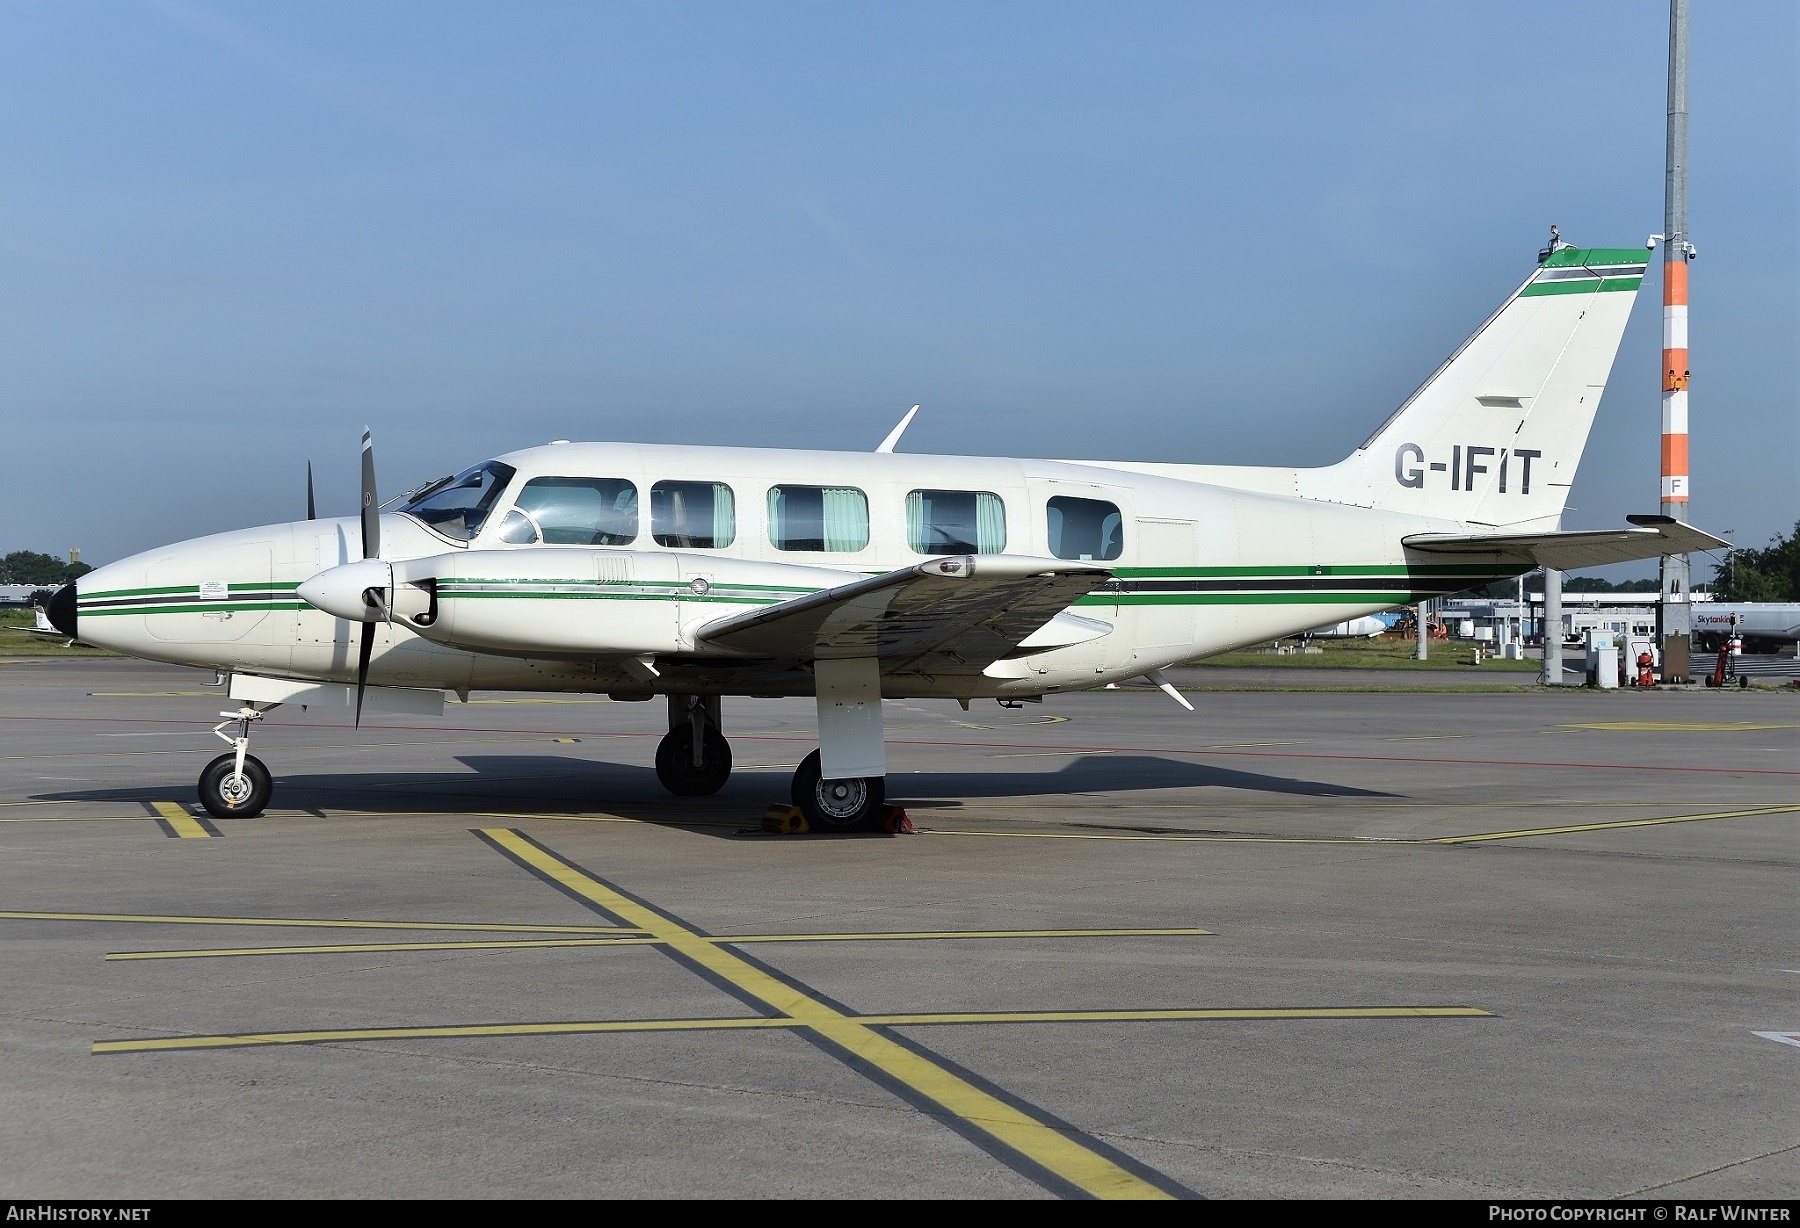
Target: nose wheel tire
(675,762)
(856,804)
(226,795)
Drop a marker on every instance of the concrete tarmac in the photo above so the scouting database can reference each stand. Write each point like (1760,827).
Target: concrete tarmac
(1455,945)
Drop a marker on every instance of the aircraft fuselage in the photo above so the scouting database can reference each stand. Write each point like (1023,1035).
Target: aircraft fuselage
(1198,569)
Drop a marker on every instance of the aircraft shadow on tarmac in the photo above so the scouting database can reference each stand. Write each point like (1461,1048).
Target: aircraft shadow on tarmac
(563,784)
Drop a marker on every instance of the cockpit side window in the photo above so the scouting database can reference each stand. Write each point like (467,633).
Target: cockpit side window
(573,512)
(1085,528)
(458,506)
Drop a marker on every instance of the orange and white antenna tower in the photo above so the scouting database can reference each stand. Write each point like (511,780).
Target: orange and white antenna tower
(1677,251)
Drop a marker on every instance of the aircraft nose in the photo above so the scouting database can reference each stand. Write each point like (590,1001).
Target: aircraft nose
(61,610)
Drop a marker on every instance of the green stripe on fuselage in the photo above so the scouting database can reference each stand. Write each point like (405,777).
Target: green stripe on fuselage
(164,590)
(236,608)
(530,596)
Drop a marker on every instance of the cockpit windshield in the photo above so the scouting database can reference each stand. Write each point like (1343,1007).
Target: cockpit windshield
(457,506)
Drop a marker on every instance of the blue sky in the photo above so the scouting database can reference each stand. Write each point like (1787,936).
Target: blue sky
(232,234)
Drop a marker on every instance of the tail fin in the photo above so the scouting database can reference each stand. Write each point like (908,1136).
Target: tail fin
(1495,435)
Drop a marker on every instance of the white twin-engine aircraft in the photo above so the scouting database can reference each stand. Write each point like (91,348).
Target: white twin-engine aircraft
(697,572)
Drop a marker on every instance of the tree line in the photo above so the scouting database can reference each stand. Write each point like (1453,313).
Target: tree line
(1769,574)
(30,567)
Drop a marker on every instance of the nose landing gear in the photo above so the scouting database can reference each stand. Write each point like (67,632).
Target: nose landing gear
(693,759)
(236,785)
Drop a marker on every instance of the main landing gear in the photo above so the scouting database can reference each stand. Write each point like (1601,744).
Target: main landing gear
(236,785)
(694,760)
(856,804)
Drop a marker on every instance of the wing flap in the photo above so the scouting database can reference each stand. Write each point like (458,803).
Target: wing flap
(967,610)
(1654,536)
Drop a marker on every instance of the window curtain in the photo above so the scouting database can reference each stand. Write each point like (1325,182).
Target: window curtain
(846,518)
(990,523)
(724,516)
(777,531)
(916,535)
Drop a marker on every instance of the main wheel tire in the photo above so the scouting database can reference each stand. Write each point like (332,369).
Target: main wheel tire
(229,796)
(675,762)
(856,804)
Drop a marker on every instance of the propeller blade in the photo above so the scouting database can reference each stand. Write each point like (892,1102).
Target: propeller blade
(362,667)
(371,506)
(312,511)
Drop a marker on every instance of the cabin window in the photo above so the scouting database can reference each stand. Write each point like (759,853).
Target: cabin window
(818,518)
(458,506)
(573,512)
(693,515)
(955,522)
(1085,529)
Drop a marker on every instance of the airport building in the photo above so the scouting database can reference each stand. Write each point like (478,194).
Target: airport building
(1500,622)
(12,595)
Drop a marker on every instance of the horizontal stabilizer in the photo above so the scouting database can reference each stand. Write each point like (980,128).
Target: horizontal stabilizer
(1657,535)
(971,610)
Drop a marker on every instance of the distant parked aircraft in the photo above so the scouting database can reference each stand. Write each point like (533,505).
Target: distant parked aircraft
(1367,627)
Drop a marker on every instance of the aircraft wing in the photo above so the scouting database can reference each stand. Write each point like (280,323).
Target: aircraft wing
(967,610)
(1657,535)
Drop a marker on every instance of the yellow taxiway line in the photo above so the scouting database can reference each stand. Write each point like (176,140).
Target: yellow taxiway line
(579,1027)
(619,818)
(996,1123)
(363,948)
(297,746)
(1178,839)
(176,821)
(1365,841)
(313,923)
(1613,825)
(1678,726)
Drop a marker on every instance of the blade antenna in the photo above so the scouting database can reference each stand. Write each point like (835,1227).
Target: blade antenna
(887,445)
(1168,688)
(312,512)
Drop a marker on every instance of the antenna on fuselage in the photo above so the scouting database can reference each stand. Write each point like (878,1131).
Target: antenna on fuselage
(887,445)
(312,511)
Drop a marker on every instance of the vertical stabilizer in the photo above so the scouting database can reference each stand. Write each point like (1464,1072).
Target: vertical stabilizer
(1495,435)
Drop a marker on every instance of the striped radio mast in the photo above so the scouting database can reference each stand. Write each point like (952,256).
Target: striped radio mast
(1677,613)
